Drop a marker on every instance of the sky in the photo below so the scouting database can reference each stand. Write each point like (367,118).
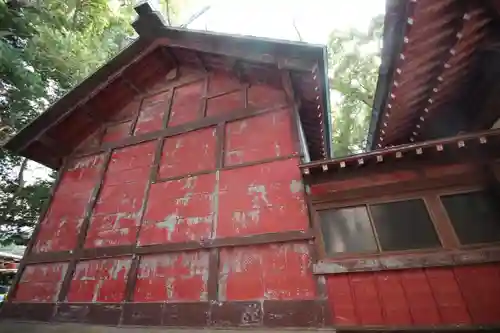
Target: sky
(314,19)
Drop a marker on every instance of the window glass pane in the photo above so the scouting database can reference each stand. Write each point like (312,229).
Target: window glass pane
(347,230)
(404,225)
(475,216)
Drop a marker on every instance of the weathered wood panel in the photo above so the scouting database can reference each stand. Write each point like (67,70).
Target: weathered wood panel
(261,198)
(60,228)
(41,283)
(273,272)
(115,219)
(186,104)
(180,210)
(99,281)
(153,109)
(177,277)
(188,153)
(258,138)
(467,295)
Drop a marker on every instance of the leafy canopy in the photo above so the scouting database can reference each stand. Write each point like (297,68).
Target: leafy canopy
(46,47)
(354,59)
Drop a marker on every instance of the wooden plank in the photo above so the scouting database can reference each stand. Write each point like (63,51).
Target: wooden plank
(28,251)
(408,261)
(192,126)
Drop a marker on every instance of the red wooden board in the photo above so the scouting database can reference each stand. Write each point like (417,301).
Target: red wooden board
(60,228)
(188,153)
(180,210)
(273,272)
(153,109)
(416,297)
(99,281)
(261,198)
(172,277)
(116,132)
(480,286)
(225,103)
(221,82)
(186,104)
(115,218)
(259,138)
(264,96)
(447,294)
(41,282)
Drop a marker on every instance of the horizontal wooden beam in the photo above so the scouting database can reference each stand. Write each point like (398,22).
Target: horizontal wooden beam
(408,261)
(233,316)
(124,250)
(193,126)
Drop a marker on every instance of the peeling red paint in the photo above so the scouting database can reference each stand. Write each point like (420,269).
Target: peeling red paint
(262,198)
(220,82)
(41,282)
(188,153)
(99,281)
(172,277)
(263,96)
(180,210)
(186,104)
(274,138)
(60,227)
(273,272)
(115,219)
(117,132)
(225,103)
(153,109)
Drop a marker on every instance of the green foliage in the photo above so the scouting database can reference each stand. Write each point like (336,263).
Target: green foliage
(46,48)
(354,59)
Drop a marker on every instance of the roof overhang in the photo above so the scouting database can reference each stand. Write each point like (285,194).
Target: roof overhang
(45,139)
(428,54)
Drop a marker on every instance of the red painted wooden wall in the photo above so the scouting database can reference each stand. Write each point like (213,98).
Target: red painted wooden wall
(253,188)
(192,199)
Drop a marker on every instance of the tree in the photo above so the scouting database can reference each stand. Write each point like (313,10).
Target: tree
(46,47)
(353,62)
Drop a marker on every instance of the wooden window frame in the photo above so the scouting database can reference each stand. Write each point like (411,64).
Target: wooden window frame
(453,252)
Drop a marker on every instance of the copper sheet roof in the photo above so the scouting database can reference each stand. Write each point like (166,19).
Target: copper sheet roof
(427,62)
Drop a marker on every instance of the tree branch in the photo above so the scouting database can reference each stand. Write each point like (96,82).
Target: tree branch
(297,30)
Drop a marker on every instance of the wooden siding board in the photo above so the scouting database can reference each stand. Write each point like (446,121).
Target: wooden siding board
(448,296)
(423,307)
(101,280)
(366,298)
(480,287)
(41,282)
(275,272)
(341,300)
(274,138)
(186,103)
(180,210)
(116,215)
(152,113)
(393,300)
(258,199)
(225,103)
(116,132)
(172,277)
(60,227)
(188,153)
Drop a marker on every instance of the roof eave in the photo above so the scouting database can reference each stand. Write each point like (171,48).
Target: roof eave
(394,31)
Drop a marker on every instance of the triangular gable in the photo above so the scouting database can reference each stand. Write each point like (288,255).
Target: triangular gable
(160,49)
